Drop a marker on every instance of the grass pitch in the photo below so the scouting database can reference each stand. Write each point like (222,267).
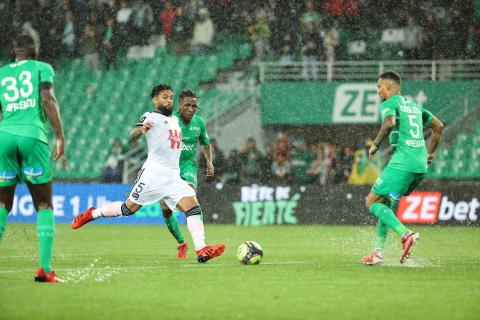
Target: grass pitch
(308,272)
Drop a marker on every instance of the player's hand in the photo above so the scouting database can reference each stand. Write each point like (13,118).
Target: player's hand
(60,152)
(147,126)
(430,158)
(371,152)
(210,169)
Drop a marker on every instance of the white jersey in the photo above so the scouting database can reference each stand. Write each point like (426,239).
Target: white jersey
(159,178)
(164,141)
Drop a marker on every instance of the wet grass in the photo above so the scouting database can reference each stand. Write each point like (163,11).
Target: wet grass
(308,272)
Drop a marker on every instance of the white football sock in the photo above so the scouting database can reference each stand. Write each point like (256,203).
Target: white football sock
(197,231)
(110,210)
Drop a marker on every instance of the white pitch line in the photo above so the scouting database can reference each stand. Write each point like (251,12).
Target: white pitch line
(159,267)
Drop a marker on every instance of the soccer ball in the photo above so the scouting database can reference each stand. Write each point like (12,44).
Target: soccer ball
(250,252)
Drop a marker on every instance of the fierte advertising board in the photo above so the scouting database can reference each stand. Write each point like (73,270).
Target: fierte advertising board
(436,203)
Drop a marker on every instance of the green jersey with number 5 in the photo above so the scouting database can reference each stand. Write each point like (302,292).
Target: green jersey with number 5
(406,138)
(22,109)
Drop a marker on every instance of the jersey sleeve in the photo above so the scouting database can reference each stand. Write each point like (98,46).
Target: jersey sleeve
(143,119)
(46,73)
(387,109)
(203,138)
(427,116)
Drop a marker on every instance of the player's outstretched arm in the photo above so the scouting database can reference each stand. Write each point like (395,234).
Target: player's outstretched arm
(139,130)
(208,153)
(385,129)
(437,128)
(52,111)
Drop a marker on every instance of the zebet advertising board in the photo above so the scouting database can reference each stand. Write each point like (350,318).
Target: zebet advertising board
(256,205)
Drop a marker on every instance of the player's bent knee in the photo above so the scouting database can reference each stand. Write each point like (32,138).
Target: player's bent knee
(126,211)
(44,206)
(193,211)
(8,206)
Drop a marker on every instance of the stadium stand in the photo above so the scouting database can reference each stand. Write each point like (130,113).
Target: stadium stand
(113,100)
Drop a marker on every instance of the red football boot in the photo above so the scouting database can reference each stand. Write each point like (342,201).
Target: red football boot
(42,276)
(210,252)
(182,250)
(373,259)
(83,218)
(408,242)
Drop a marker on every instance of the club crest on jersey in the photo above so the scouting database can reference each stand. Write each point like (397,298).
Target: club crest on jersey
(175,138)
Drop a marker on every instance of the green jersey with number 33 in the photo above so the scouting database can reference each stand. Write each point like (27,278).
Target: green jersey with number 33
(22,109)
(406,138)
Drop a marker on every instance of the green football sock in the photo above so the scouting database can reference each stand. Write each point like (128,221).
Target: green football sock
(3,221)
(46,234)
(387,217)
(382,231)
(174,228)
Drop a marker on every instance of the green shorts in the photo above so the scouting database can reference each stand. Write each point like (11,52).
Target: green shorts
(188,172)
(23,159)
(393,184)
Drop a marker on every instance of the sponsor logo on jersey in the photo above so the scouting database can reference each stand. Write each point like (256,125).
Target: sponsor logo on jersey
(186,147)
(432,207)
(175,138)
(33,172)
(22,105)
(6,176)
(356,103)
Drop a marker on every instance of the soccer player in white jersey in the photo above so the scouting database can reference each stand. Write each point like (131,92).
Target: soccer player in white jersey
(159,178)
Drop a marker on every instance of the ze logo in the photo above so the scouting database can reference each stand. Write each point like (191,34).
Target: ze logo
(356,103)
(175,138)
(419,207)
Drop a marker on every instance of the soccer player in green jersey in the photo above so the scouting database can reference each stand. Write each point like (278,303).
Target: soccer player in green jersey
(193,131)
(403,120)
(27,100)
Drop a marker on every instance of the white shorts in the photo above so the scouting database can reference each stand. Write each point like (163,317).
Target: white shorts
(153,185)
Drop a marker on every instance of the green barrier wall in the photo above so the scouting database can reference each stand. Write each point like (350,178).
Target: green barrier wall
(287,103)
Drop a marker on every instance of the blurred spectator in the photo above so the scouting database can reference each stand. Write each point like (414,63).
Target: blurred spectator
(310,16)
(413,39)
(113,168)
(167,17)
(182,31)
(142,21)
(287,48)
(251,160)
(261,35)
(319,168)
(68,39)
(218,163)
(457,33)
(281,169)
(310,52)
(203,32)
(89,48)
(123,23)
(233,168)
(342,166)
(472,50)
(363,171)
(109,45)
(302,158)
(433,39)
(282,147)
(331,43)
